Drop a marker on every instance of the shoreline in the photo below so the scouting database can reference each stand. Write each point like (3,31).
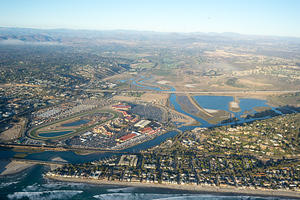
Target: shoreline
(14,167)
(192,188)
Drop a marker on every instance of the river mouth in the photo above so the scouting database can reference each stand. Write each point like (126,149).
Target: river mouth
(247,105)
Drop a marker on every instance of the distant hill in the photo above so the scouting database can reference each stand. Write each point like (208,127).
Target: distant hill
(87,36)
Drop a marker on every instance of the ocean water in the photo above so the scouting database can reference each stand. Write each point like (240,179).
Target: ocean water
(31,185)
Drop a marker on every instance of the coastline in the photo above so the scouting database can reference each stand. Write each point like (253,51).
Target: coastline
(192,188)
(14,167)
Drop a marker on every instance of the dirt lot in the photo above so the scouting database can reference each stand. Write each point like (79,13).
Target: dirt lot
(14,132)
(160,99)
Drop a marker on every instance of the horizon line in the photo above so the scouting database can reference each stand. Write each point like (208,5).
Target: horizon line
(154,31)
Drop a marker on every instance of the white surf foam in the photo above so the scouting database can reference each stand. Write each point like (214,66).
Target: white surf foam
(60,185)
(32,188)
(152,196)
(187,197)
(211,197)
(45,195)
(3,185)
(125,189)
(131,196)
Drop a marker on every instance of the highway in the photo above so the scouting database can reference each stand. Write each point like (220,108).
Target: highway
(201,91)
(61,148)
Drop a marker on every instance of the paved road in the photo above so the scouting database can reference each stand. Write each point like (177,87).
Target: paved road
(202,92)
(66,148)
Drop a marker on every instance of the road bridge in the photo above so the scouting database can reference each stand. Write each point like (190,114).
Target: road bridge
(62,148)
(201,91)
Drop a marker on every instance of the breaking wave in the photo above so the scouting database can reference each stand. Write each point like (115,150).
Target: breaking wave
(60,185)
(3,185)
(45,195)
(212,197)
(151,196)
(131,196)
(125,189)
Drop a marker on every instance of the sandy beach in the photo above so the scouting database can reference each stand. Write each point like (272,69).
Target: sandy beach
(12,167)
(193,188)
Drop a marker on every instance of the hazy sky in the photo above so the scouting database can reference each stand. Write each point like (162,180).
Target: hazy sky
(263,17)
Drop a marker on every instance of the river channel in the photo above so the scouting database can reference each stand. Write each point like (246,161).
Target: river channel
(209,102)
(31,184)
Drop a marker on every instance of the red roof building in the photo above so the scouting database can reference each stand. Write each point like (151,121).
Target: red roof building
(124,113)
(127,137)
(121,107)
(153,132)
(135,120)
(146,130)
(108,133)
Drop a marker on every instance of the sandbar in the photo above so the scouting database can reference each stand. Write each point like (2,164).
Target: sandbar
(14,167)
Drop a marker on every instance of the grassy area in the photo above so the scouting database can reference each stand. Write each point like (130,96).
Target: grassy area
(261,109)
(234,83)
(162,72)
(285,99)
(135,94)
(144,65)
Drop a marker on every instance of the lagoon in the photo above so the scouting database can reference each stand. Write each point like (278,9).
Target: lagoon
(249,103)
(76,123)
(214,102)
(54,134)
